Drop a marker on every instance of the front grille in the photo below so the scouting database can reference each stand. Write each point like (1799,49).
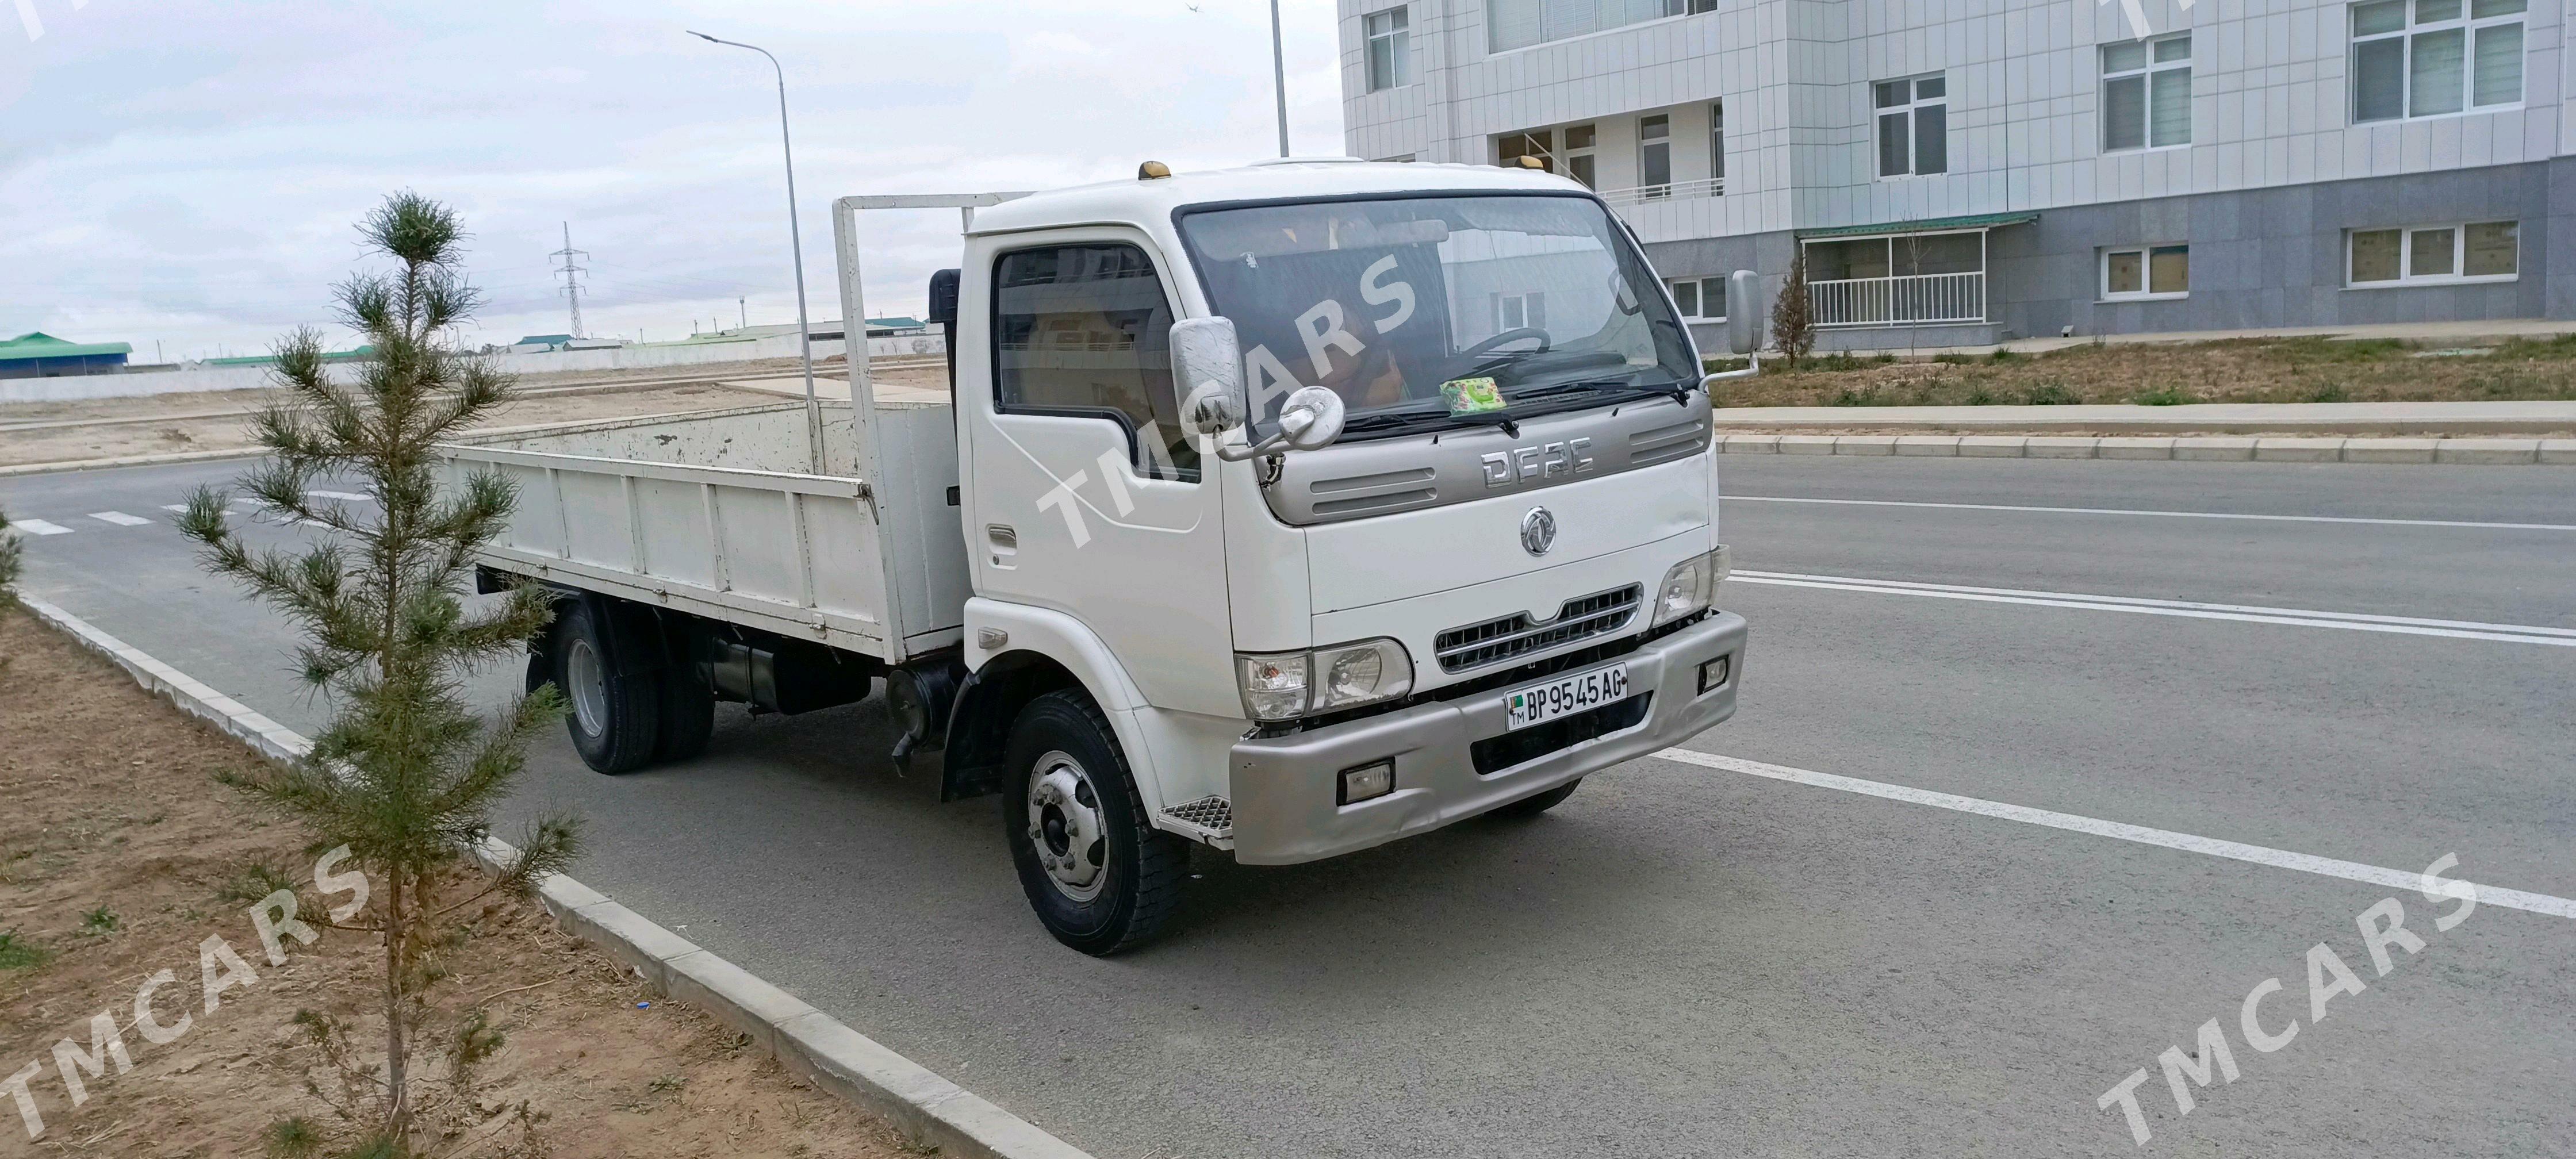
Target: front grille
(1496,753)
(1514,636)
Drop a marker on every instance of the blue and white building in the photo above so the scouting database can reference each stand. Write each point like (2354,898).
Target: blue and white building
(1967,171)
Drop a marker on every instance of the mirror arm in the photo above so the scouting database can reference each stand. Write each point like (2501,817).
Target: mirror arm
(1237,450)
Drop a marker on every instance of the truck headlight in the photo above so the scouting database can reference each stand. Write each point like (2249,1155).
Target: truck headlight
(1287,685)
(1690,586)
(1362,673)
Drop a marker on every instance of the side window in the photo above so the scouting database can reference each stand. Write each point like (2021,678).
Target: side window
(1084,329)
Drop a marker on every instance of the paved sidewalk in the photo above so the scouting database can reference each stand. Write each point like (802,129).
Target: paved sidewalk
(2300,418)
(2187,448)
(2473,333)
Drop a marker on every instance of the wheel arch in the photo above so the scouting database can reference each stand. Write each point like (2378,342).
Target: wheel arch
(1044,650)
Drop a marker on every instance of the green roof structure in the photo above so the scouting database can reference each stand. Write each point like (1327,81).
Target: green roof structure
(38,344)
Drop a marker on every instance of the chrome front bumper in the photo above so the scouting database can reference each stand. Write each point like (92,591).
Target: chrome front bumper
(1285,788)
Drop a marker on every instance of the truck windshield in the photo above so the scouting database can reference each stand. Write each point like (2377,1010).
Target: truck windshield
(1384,301)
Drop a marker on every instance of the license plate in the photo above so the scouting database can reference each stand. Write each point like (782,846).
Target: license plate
(1540,703)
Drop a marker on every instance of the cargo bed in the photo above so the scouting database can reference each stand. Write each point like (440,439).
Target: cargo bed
(717,515)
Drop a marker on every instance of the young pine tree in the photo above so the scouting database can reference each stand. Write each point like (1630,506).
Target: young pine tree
(1793,316)
(406,773)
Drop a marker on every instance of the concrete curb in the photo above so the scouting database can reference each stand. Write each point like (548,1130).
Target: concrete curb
(930,1110)
(2183,448)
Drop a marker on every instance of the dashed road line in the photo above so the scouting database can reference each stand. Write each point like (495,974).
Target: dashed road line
(38,527)
(2245,613)
(2539,903)
(119,518)
(2470,523)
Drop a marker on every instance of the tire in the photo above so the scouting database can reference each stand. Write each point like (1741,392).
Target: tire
(613,700)
(1100,876)
(687,713)
(1533,806)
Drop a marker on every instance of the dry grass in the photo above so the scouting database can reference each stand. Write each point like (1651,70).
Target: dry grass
(108,807)
(2154,374)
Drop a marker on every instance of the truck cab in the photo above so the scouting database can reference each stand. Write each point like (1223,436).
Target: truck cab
(1286,510)
(1439,613)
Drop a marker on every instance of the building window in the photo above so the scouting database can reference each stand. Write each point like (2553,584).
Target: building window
(2146,94)
(2431,58)
(1083,330)
(1516,311)
(1700,299)
(2162,271)
(1717,147)
(1540,143)
(1913,126)
(1655,156)
(1579,140)
(2484,251)
(1390,49)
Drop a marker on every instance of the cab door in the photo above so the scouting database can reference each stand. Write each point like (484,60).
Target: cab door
(1087,497)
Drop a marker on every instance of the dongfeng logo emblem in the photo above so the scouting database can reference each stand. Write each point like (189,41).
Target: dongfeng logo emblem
(1538,531)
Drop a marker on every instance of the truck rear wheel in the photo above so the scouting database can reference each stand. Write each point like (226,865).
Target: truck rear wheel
(613,702)
(1535,805)
(1100,876)
(688,713)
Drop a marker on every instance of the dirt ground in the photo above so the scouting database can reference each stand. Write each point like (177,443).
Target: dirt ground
(2159,374)
(120,857)
(43,432)
(231,429)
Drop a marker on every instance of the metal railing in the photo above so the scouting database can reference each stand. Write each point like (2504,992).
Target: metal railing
(1705,187)
(1908,300)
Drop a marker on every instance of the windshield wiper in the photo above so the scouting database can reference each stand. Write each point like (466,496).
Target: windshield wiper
(1679,393)
(1388,420)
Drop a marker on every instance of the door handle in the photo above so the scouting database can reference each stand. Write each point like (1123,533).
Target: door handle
(1004,540)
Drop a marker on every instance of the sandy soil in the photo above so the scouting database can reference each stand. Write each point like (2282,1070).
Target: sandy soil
(2244,370)
(232,431)
(119,857)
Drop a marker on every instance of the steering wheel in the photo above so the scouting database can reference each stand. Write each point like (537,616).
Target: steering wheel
(1505,338)
(1475,359)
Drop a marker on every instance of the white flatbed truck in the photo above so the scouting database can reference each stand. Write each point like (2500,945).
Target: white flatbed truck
(1288,510)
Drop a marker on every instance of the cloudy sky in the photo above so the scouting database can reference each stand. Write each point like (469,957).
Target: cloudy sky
(186,171)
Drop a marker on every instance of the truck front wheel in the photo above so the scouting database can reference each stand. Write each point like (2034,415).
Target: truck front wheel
(1100,876)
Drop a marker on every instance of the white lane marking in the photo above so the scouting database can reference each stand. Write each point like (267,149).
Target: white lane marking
(119,518)
(1725,499)
(2539,903)
(2288,617)
(343,496)
(39,527)
(181,508)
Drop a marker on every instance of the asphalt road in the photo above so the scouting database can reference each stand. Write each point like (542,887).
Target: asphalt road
(1684,960)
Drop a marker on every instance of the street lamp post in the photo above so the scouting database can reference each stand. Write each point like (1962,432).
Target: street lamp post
(1279,75)
(853,347)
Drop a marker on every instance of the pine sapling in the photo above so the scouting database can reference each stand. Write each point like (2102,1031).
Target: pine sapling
(406,773)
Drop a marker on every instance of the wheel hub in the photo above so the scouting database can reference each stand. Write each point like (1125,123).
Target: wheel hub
(589,692)
(1065,826)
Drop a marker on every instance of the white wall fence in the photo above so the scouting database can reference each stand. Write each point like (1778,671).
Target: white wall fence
(73,388)
(1906,300)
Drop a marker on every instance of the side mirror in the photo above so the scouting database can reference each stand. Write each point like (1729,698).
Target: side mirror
(1744,312)
(1207,361)
(1312,419)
